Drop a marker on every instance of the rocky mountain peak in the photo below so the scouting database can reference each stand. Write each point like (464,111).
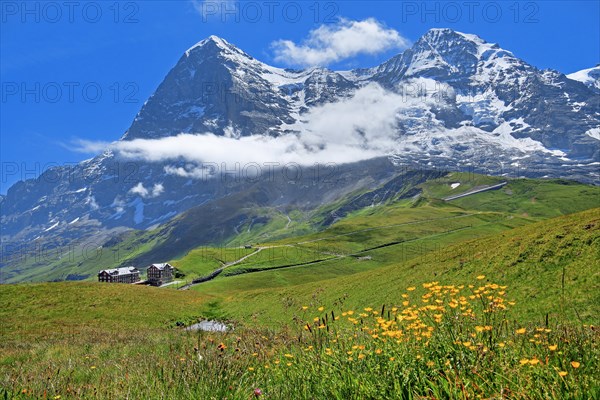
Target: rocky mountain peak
(443,53)
(215,46)
(453,51)
(212,42)
(436,36)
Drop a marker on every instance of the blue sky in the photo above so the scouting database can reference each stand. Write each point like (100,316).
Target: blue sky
(83,71)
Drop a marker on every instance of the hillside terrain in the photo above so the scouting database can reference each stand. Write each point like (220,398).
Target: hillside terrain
(385,215)
(551,267)
(83,336)
(408,227)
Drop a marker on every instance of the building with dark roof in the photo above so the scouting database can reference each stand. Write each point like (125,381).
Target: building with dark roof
(159,274)
(119,275)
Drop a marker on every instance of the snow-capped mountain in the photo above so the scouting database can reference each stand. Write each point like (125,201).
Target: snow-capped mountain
(216,87)
(501,95)
(452,101)
(589,77)
(453,81)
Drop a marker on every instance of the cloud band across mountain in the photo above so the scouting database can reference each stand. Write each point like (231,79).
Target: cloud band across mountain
(374,122)
(350,130)
(316,141)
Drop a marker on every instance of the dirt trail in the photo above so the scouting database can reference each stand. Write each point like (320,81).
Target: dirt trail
(218,271)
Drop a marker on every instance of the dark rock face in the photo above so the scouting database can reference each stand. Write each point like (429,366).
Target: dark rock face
(214,86)
(486,98)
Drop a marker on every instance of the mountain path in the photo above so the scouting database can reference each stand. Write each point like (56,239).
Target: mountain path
(335,256)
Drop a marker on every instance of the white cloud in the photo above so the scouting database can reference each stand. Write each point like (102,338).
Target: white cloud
(374,122)
(118,204)
(361,127)
(354,129)
(86,146)
(331,43)
(139,189)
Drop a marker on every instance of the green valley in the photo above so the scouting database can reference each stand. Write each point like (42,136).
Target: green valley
(458,298)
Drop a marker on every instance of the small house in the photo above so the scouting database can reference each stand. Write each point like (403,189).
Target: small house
(159,274)
(119,275)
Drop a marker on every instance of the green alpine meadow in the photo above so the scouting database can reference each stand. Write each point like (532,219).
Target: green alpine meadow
(483,296)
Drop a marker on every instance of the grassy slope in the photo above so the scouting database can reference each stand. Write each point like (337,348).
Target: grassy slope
(403,239)
(82,260)
(535,198)
(204,260)
(60,308)
(530,259)
(76,339)
(530,199)
(414,227)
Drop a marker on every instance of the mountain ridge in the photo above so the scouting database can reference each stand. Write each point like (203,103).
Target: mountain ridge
(589,77)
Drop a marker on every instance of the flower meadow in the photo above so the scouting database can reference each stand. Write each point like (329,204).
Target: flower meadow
(451,341)
(440,341)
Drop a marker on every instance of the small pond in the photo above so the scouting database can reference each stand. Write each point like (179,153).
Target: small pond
(208,326)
